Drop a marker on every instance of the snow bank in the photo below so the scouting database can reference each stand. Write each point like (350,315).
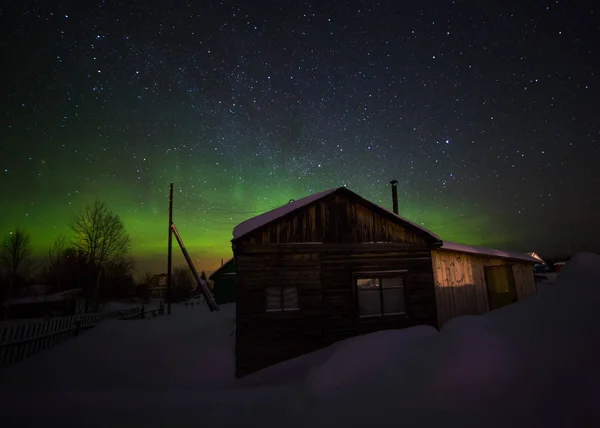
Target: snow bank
(189,349)
(547,282)
(531,364)
(288,372)
(354,361)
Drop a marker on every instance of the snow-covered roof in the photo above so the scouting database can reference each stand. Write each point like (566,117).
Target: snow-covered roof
(536,256)
(220,268)
(263,219)
(471,249)
(260,220)
(43,299)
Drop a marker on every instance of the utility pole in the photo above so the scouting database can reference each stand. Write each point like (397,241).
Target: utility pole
(170,250)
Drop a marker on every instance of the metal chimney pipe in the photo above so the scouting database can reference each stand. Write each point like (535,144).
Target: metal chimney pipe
(394,184)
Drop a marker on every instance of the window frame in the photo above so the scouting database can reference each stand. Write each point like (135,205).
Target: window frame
(381,275)
(282,308)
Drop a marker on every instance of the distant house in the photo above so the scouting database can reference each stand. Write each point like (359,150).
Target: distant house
(334,265)
(541,266)
(558,266)
(536,256)
(223,280)
(37,306)
(157,286)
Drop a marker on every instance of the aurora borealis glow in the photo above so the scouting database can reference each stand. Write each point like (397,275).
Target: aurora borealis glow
(484,113)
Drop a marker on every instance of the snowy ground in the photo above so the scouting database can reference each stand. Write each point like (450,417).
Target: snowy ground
(134,303)
(190,348)
(532,364)
(547,282)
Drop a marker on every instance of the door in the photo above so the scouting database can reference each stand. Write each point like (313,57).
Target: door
(500,284)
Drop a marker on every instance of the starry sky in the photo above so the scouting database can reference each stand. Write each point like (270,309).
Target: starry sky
(486,112)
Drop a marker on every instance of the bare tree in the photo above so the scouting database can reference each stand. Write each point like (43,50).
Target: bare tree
(15,256)
(182,284)
(100,238)
(56,252)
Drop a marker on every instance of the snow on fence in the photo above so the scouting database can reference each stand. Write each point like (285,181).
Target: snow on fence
(21,340)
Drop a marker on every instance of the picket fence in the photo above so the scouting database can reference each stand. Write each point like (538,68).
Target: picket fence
(19,340)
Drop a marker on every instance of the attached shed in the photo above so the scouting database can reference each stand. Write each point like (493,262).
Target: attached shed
(472,280)
(334,265)
(224,282)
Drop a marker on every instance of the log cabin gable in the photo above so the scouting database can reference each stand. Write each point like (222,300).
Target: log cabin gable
(340,217)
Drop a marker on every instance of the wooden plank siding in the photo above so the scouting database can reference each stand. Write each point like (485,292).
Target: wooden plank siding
(319,248)
(460,285)
(334,219)
(328,305)
(265,338)
(524,280)
(340,311)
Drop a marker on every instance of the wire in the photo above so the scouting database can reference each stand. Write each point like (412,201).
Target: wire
(225,211)
(218,229)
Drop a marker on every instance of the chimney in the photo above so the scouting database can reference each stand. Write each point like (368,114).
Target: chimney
(394,184)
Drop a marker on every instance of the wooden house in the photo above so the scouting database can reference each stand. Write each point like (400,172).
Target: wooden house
(558,266)
(223,282)
(64,303)
(157,286)
(334,265)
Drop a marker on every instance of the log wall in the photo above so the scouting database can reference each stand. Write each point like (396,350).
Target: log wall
(460,282)
(319,248)
(340,311)
(265,338)
(327,294)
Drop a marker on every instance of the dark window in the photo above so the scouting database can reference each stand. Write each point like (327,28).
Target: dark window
(380,295)
(500,286)
(280,299)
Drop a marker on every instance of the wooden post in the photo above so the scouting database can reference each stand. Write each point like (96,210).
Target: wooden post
(170,250)
(394,184)
(210,301)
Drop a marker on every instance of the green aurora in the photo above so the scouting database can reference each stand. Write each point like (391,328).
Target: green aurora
(206,219)
(243,108)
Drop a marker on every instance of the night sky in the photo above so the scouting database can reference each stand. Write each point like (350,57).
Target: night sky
(485,112)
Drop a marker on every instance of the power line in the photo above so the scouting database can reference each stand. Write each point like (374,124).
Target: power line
(232,212)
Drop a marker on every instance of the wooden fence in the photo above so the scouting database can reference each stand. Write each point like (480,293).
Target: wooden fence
(19,340)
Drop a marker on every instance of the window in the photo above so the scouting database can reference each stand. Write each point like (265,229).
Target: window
(380,295)
(280,299)
(500,284)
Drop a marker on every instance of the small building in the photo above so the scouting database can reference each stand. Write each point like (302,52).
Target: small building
(537,256)
(541,266)
(64,303)
(471,280)
(558,266)
(223,282)
(157,286)
(334,265)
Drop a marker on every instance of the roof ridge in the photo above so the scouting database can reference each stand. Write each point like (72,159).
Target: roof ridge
(261,220)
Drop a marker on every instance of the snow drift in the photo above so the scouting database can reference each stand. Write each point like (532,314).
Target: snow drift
(531,364)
